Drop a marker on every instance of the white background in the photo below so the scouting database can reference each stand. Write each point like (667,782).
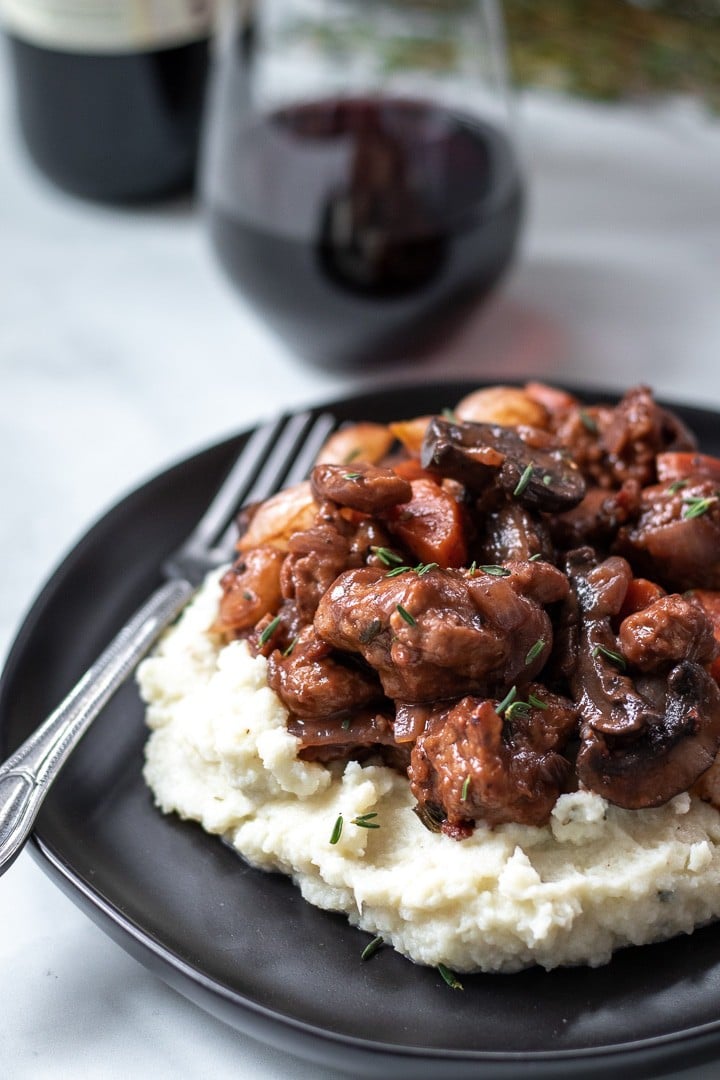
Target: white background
(122,349)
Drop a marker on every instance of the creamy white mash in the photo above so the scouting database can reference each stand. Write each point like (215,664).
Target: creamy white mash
(594,879)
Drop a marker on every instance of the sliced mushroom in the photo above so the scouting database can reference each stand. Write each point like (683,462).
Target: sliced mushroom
(534,471)
(642,741)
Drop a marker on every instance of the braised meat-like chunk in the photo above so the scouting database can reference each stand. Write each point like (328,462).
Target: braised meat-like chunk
(473,764)
(315,682)
(676,539)
(439,633)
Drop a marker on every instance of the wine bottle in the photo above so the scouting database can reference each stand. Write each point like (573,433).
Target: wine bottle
(109,93)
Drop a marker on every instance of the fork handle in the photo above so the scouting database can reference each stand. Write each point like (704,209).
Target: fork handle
(27,775)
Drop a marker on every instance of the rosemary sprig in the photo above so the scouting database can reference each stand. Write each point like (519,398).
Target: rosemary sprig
(365,821)
(507,700)
(404,614)
(465,789)
(697,507)
(524,479)
(269,630)
(337,830)
(372,947)
(677,485)
(352,476)
(610,654)
(535,651)
(588,422)
(494,571)
(387,555)
(450,978)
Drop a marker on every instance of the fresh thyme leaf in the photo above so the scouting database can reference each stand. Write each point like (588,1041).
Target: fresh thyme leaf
(352,476)
(535,651)
(495,571)
(507,700)
(517,710)
(535,557)
(337,830)
(405,615)
(448,414)
(610,654)
(291,646)
(472,568)
(697,507)
(448,976)
(524,479)
(269,630)
(547,479)
(346,724)
(398,570)
(387,555)
(372,947)
(465,789)
(588,422)
(365,821)
(423,568)
(536,702)
(677,485)
(370,632)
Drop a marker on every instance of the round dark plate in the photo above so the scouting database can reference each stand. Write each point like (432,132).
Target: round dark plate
(243,944)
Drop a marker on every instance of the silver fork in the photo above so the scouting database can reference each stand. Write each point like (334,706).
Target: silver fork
(279,453)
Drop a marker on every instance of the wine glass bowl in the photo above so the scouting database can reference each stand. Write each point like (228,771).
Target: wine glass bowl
(359,175)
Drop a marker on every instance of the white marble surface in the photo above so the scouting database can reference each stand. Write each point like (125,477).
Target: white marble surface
(122,349)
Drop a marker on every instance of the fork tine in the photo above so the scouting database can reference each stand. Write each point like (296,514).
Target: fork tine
(288,462)
(236,485)
(323,425)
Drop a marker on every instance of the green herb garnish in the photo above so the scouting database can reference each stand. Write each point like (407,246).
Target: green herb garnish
(291,646)
(677,485)
(547,479)
(588,422)
(610,654)
(405,615)
(536,702)
(372,947)
(517,710)
(423,568)
(354,453)
(337,830)
(451,979)
(697,507)
(450,416)
(507,700)
(494,571)
(465,789)
(524,479)
(535,651)
(365,821)
(387,555)
(269,630)
(398,570)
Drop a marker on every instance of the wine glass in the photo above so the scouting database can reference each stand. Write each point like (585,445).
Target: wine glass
(359,175)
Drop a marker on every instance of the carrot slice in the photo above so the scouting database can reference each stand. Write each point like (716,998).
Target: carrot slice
(431,525)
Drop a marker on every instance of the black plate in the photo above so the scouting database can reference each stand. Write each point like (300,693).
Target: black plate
(243,944)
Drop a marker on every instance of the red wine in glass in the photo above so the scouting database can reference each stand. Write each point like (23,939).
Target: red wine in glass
(360,227)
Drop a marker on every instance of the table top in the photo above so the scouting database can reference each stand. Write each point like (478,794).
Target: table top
(123,349)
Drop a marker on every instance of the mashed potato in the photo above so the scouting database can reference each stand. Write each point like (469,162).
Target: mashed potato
(594,879)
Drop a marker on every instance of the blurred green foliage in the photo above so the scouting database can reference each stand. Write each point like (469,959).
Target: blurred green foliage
(614,49)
